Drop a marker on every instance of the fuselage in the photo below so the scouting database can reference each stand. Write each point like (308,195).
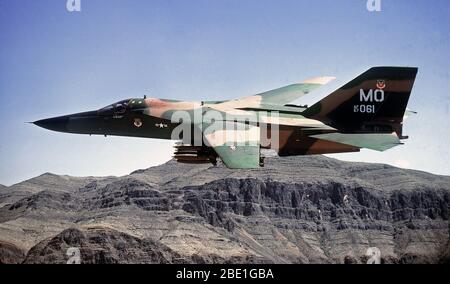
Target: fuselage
(154,118)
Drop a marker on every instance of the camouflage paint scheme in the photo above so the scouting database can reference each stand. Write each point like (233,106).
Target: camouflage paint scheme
(367,112)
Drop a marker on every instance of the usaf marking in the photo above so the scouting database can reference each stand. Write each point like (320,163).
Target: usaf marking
(137,122)
(372,96)
(161,125)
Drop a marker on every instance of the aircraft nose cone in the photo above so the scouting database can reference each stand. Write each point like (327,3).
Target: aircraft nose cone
(55,124)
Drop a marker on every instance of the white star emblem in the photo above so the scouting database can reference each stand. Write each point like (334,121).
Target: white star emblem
(161,125)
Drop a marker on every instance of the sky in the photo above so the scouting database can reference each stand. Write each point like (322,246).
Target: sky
(55,62)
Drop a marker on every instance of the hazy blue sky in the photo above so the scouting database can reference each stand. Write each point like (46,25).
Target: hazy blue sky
(53,62)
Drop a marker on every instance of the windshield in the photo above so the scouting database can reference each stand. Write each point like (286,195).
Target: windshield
(116,108)
(121,107)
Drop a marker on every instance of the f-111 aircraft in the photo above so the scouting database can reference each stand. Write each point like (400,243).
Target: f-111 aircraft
(367,112)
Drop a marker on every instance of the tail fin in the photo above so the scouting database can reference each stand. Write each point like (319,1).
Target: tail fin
(374,102)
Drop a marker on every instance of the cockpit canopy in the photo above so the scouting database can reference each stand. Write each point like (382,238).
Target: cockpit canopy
(116,108)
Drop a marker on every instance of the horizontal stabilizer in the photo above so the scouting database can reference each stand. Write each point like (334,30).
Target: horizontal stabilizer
(374,141)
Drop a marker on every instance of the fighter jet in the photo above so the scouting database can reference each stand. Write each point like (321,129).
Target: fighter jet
(367,112)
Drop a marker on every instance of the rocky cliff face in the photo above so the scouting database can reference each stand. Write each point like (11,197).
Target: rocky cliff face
(295,210)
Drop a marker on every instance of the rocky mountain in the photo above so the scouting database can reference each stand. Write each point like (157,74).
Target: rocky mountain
(310,209)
